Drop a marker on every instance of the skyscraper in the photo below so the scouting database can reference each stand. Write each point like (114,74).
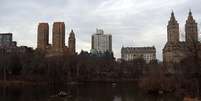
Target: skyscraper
(173,30)
(175,51)
(101,42)
(57,47)
(191,29)
(58,36)
(43,36)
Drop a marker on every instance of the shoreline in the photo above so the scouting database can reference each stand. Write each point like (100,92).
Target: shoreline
(19,83)
(31,83)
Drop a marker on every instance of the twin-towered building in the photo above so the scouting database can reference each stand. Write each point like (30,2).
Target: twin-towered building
(58,46)
(175,50)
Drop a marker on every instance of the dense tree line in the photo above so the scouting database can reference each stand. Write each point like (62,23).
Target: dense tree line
(85,67)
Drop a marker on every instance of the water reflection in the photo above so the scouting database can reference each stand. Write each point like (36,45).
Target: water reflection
(85,92)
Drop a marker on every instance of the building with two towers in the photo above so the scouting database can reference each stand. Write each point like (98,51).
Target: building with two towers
(175,50)
(58,46)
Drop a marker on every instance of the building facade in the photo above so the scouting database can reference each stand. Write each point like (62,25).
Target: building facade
(175,50)
(101,42)
(58,46)
(58,36)
(71,42)
(132,53)
(9,47)
(6,40)
(43,36)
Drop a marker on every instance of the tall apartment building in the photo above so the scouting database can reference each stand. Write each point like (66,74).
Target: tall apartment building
(101,42)
(58,36)
(58,40)
(43,36)
(131,53)
(175,51)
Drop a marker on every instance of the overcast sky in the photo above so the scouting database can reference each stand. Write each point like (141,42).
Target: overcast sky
(131,22)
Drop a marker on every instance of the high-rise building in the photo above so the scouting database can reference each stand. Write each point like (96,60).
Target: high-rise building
(101,42)
(58,36)
(6,40)
(173,30)
(71,42)
(175,51)
(58,40)
(191,29)
(132,53)
(43,36)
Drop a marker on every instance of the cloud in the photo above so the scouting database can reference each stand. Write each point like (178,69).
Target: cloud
(131,22)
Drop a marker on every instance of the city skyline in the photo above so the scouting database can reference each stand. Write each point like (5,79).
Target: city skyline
(129,22)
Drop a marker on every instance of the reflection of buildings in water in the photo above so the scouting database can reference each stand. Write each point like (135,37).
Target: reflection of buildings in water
(117,98)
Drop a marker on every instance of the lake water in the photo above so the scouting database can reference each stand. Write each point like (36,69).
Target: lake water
(84,92)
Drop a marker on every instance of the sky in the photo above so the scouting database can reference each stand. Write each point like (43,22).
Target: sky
(132,23)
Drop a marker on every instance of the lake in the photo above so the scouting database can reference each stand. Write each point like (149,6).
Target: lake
(82,92)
